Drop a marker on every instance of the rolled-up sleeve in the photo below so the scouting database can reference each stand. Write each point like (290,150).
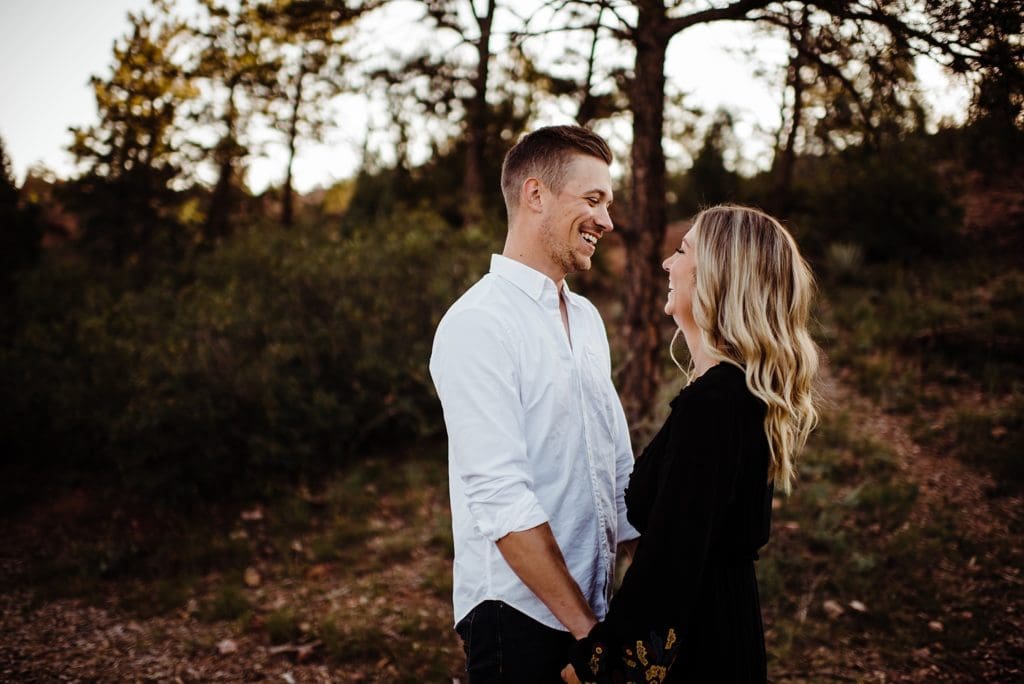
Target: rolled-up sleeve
(474,369)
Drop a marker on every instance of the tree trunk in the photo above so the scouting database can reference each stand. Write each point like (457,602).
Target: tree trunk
(786,157)
(218,224)
(476,138)
(287,211)
(640,370)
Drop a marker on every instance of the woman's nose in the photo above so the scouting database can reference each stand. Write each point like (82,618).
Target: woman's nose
(667,263)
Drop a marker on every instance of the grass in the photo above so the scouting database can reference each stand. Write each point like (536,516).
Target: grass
(939,342)
(843,536)
(229,602)
(283,626)
(363,562)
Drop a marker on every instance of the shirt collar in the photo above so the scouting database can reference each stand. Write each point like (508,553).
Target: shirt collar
(527,279)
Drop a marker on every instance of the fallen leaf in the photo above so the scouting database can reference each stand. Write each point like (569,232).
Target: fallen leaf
(304,652)
(832,609)
(318,571)
(858,606)
(935,626)
(252,577)
(253,515)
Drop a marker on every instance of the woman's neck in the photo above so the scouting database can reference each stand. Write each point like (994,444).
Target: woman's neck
(702,361)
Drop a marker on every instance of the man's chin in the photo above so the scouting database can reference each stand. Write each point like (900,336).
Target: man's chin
(582,263)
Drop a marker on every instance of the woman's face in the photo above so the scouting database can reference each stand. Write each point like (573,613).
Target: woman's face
(680,267)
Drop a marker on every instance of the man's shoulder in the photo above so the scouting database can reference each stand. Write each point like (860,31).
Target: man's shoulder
(483,305)
(484,299)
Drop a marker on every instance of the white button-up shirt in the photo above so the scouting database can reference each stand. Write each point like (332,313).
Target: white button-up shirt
(536,433)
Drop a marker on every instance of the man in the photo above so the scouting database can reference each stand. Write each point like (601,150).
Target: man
(539,451)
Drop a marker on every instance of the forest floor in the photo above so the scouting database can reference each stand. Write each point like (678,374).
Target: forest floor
(352,585)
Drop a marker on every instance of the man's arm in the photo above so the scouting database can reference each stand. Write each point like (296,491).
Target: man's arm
(535,557)
(476,376)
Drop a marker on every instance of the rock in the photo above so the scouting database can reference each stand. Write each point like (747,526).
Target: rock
(227,646)
(858,606)
(935,626)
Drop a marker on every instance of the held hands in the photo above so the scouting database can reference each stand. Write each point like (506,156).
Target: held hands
(569,675)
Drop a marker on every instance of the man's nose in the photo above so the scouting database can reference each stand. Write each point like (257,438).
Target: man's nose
(605,220)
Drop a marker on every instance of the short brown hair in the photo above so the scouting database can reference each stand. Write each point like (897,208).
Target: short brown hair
(546,154)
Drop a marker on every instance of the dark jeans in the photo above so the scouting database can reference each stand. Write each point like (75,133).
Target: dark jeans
(504,645)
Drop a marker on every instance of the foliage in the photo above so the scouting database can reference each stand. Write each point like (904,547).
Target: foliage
(20,229)
(891,201)
(132,157)
(283,357)
(708,181)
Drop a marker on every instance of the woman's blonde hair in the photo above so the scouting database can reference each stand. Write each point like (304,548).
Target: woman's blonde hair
(752,302)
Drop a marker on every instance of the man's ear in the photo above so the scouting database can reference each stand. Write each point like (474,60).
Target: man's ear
(532,195)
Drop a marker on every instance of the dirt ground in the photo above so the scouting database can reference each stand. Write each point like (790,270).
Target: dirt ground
(72,640)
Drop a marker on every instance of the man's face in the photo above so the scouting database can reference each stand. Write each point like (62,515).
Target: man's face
(577,215)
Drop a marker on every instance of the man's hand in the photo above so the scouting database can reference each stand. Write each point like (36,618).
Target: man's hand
(569,675)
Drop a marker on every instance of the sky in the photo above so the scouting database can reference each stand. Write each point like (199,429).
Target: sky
(50,48)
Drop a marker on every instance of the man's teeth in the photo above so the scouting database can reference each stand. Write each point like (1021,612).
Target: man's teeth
(589,238)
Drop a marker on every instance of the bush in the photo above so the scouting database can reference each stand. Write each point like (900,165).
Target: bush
(286,354)
(892,202)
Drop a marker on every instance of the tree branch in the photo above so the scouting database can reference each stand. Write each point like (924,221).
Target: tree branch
(736,10)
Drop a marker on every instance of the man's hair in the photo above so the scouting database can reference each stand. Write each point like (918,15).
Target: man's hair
(546,154)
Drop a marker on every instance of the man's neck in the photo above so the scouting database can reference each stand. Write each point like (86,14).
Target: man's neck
(521,253)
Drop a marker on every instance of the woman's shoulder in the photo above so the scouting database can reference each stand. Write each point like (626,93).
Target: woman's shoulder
(720,392)
(723,382)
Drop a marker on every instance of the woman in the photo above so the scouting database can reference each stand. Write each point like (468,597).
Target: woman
(701,492)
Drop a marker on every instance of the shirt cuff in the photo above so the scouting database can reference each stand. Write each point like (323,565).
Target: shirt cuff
(625,532)
(495,521)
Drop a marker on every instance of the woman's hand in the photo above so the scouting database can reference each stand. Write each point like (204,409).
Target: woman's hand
(569,675)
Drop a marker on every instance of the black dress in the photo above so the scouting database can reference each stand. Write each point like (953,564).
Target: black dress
(688,608)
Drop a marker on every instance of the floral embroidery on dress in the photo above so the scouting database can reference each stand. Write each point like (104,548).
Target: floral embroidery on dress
(595,659)
(641,652)
(648,662)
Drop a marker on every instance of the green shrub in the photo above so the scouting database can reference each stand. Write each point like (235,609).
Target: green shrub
(890,202)
(286,354)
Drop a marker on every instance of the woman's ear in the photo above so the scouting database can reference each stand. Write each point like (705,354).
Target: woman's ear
(532,195)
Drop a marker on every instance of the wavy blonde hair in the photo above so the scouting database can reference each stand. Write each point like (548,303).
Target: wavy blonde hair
(752,301)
